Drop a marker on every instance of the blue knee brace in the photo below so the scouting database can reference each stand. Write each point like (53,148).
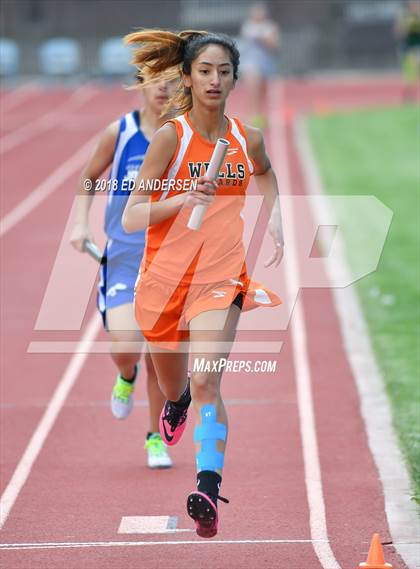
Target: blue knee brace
(207,434)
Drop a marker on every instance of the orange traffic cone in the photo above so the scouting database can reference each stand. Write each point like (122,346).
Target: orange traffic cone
(375,558)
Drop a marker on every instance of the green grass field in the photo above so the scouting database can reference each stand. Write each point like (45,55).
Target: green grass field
(376,152)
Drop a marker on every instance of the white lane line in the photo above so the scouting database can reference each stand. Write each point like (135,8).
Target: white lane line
(401,510)
(47,187)
(46,423)
(17,96)
(45,121)
(313,479)
(69,545)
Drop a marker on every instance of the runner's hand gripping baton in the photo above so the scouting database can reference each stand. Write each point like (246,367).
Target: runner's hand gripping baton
(216,162)
(94,251)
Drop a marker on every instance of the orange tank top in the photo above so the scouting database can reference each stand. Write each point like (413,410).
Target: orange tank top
(215,252)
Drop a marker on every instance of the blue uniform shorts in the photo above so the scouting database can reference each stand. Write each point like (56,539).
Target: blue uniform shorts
(118,275)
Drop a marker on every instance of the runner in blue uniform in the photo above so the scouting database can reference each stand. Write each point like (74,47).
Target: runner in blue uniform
(122,146)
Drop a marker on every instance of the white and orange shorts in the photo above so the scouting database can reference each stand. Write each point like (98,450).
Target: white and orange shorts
(163,310)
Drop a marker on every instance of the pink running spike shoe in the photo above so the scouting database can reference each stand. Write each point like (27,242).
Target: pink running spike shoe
(202,508)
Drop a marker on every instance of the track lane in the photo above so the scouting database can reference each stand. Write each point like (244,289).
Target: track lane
(102,464)
(28,253)
(62,511)
(348,467)
(30,164)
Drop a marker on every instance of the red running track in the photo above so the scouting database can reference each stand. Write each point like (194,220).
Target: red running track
(91,470)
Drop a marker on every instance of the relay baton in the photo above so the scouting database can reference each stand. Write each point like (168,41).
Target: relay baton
(94,251)
(216,162)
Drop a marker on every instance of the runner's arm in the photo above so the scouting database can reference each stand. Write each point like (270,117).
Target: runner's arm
(267,186)
(100,160)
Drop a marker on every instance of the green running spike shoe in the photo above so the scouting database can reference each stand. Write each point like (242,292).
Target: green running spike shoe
(122,399)
(157,453)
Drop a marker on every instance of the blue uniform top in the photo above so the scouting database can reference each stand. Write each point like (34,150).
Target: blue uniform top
(129,152)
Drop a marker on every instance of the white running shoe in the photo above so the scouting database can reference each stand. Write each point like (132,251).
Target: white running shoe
(157,453)
(122,399)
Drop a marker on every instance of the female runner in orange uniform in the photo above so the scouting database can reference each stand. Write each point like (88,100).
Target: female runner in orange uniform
(193,285)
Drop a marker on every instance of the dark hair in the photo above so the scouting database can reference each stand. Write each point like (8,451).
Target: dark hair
(195,45)
(166,55)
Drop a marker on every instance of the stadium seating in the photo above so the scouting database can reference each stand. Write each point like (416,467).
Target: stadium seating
(114,57)
(59,56)
(9,57)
